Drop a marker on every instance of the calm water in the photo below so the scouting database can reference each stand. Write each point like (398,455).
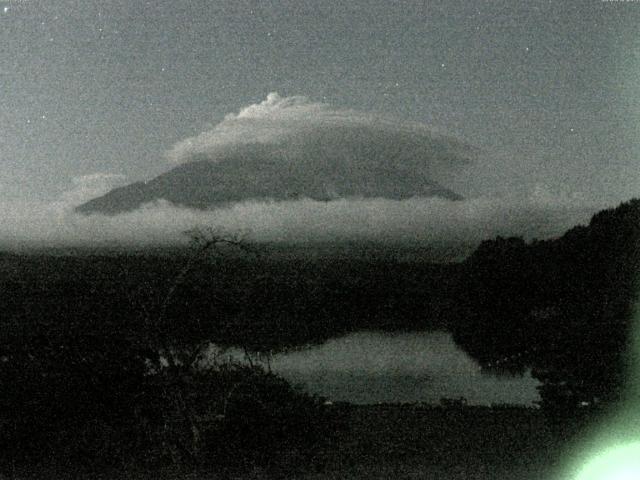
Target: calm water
(371,367)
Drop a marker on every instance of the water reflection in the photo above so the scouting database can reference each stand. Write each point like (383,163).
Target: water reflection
(371,367)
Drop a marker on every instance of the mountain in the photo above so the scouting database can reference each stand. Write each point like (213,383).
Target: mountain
(264,172)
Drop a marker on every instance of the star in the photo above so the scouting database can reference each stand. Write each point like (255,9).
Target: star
(5,9)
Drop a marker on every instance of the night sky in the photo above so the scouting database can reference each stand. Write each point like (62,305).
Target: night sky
(548,90)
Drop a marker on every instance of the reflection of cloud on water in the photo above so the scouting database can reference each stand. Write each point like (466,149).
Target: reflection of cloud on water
(368,367)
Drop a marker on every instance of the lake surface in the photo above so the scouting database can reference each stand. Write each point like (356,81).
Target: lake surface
(372,367)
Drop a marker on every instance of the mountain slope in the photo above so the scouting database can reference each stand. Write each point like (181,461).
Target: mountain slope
(205,183)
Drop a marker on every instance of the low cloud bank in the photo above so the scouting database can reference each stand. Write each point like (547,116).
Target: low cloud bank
(420,221)
(86,187)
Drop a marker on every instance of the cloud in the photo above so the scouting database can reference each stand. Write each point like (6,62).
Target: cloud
(90,186)
(296,130)
(411,222)
(270,121)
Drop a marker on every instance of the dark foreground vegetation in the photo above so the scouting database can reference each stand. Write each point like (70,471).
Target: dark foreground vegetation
(227,420)
(104,364)
(108,372)
(444,443)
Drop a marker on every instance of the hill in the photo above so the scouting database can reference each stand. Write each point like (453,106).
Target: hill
(562,307)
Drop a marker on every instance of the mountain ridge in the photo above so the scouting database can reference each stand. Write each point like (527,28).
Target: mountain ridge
(205,183)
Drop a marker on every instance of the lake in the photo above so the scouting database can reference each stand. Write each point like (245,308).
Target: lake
(374,367)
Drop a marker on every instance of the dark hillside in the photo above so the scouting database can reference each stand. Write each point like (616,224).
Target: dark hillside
(562,307)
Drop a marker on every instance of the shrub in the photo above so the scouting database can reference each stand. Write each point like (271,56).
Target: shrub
(101,415)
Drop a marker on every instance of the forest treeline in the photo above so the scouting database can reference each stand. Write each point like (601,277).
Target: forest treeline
(232,299)
(563,308)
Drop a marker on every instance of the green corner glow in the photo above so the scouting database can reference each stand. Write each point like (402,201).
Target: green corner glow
(611,451)
(621,463)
